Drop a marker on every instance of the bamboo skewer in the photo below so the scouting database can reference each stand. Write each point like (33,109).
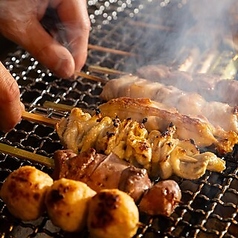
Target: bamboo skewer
(150,25)
(91,77)
(23,154)
(64,107)
(57,106)
(39,118)
(105,70)
(109,50)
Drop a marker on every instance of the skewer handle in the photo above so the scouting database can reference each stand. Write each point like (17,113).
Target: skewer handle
(39,118)
(23,154)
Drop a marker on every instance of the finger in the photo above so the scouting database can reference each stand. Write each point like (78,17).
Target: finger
(20,23)
(33,37)
(10,105)
(74,16)
(48,51)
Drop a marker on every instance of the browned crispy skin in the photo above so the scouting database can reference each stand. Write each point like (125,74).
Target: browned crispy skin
(110,172)
(159,119)
(220,115)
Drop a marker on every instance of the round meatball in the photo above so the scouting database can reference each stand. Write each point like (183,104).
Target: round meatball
(23,192)
(112,213)
(67,204)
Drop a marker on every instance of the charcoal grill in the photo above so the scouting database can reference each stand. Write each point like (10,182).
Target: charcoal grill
(209,204)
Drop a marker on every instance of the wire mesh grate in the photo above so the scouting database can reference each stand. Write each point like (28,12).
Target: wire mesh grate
(209,204)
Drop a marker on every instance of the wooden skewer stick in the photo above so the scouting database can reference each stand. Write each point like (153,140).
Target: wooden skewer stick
(105,70)
(23,154)
(91,77)
(109,50)
(64,107)
(39,118)
(58,106)
(149,25)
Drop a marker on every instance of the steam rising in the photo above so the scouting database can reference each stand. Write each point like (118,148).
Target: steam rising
(183,28)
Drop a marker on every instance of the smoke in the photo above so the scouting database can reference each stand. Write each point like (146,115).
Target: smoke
(182,27)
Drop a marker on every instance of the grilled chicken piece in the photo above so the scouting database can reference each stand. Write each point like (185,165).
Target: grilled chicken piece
(211,87)
(227,91)
(130,141)
(70,204)
(24,191)
(166,193)
(220,115)
(112,213)
(67,204)
(158,118)
(100,172)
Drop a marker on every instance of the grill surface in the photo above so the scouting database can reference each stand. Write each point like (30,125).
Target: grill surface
(209,205)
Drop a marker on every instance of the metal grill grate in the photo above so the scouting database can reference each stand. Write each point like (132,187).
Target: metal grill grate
(209,205)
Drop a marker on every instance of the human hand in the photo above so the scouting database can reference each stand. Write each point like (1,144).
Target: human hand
(20,22)
(10,106)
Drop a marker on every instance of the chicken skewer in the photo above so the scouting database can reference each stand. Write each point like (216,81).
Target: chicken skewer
(100,172)
(95,170)
(158,116)
(150,161)
(146,158)
(211,87)
(160,153)
(220,115)
(70,204)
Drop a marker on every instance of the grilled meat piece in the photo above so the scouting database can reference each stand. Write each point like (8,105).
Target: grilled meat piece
(70,204)
(24,191)
(67,204)
(158,118)
(165,192)
(101,172)
(211,87)
(131,180)
(112,213)
(160,153)
(220,115)
(111,172)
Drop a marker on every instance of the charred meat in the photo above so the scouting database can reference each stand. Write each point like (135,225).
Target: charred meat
(160,153)
(220,115)
(110,172)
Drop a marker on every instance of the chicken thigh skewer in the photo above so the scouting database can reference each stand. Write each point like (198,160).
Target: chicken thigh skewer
(220,115)
(158,117)
(211,87)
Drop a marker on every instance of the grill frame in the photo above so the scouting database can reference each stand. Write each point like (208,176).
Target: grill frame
(209,204)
